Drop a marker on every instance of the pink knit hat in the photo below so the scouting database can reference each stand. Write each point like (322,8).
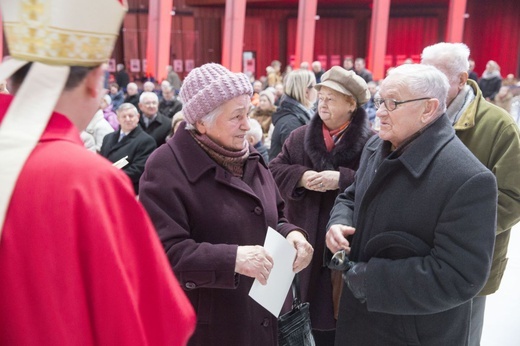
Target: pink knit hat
(209,86)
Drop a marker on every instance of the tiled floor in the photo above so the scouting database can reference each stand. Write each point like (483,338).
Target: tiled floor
(501,322)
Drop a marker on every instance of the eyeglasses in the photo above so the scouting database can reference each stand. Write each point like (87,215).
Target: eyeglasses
(151,103)
(391,104)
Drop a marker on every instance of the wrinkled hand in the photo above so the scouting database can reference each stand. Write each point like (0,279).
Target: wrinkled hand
(303,248)
(254,261)
(320,181)
(336,238)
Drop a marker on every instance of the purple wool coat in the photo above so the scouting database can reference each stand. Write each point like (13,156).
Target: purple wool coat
(305,150)
(202,213)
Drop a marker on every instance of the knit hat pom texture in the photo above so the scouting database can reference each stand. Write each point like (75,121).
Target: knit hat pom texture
(209,86)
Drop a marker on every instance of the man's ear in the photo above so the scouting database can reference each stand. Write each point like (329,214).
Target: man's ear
(463,78)
(430,110)
(94,82)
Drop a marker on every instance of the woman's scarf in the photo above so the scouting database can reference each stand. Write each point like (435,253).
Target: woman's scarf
(233,161)
(332,137)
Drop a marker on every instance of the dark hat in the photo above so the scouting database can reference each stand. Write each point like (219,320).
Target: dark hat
(345,82)
(396,245)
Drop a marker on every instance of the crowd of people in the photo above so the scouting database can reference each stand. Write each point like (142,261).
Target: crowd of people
(397,195)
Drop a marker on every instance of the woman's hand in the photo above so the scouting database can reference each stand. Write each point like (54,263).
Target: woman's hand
(254,261)
(336,238)
(303,248)
(320,181)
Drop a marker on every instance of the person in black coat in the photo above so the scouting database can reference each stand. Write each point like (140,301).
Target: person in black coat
(132,95)
(169,105)
(491,81)
(122,77)
(130,142)
(418,223)
(295,108)
(152,121)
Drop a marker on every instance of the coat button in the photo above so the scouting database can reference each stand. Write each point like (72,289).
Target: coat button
(190,285)
(265,323)
(258,211)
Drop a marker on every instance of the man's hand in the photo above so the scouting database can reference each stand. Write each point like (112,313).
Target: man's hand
(303,248)
(336,238)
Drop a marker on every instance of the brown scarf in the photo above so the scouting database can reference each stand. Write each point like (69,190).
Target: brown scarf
(233,161)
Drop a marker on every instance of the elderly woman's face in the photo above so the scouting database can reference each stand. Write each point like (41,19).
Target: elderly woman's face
(264,104)
(401,123)
(231,125)
(334,108)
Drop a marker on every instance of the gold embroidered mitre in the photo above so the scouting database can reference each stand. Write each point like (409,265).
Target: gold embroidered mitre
(62,32)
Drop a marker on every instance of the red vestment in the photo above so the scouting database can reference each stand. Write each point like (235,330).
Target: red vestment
(80,262)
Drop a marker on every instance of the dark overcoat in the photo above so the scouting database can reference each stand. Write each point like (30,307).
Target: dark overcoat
(202,213)
(290,115)
(439,194)
(159,128)
(305,150)
(137,145)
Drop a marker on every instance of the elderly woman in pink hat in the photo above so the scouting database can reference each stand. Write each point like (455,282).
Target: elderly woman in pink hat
(318,161)
(212,199)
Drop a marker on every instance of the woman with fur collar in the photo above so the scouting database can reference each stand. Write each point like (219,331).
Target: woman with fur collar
(318,161)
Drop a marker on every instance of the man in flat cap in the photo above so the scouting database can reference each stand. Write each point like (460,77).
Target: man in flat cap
(80,262)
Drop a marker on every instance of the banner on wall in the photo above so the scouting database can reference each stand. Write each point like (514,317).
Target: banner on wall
(189,64)
(335,60)
(249,63)
(389,61)
(135,65)
(400,59)
(323,60)
(111,65)
(292,60)
(177,65)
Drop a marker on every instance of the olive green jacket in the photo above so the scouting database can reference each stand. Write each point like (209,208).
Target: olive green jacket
(491,134)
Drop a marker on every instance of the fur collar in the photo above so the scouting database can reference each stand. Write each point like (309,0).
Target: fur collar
(347,152)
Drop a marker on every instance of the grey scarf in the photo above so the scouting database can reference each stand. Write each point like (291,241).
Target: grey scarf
(460,103)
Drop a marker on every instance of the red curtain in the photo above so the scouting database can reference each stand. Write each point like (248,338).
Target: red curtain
(492,32)
(407,36)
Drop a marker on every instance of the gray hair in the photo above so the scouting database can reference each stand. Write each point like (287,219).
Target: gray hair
(451,58)
(209,119)
(132,86)
(126,106)
(255,130)
(146,94)
(149,84)
(423,81)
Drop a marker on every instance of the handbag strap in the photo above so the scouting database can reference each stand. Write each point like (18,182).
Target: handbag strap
(296,290)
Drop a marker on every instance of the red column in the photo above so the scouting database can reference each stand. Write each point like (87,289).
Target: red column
(159,37)
(456,15)
(305,31)
(378,34)
(233,42)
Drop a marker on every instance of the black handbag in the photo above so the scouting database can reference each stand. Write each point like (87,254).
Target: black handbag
(294,327)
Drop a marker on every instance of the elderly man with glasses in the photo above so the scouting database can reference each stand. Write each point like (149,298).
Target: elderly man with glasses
(417,224)
(153,122)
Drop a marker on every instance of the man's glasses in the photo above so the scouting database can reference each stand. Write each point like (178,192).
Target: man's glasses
(391,104)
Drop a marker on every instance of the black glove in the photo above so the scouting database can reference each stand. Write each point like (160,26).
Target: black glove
(355,280)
